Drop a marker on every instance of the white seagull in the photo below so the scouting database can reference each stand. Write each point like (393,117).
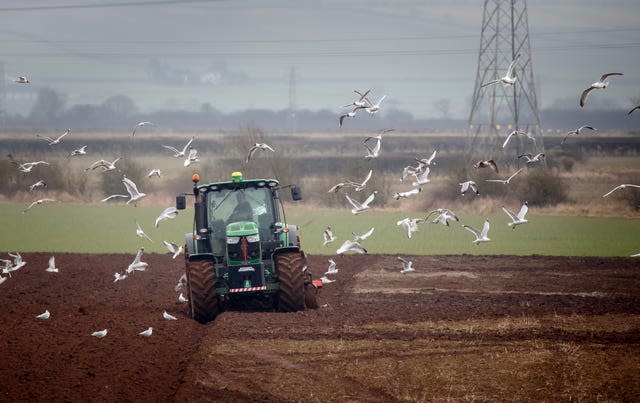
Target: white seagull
(21,80)
(361,102)
(481,236)
(104,164)
(154,172)
(53,141)
(137,263)
(182,282)
(132,189)
(374,108)
(509,78)
(576,132)
(327,236)
(410,225)
(414,191)
(515,133)
(326,280)
(351,114)
(530,158)
(600,84)
(180,153)
(192,158)
(147,333)
(422,178)
(256,147)
(372,151)
(119,277)
(332,269)
(623,186)
(167,316)
(360,207)
(486,163)
(173,248)
(358,186)
(517,219)
(39,183)
(27,166)
(17,261)
(100,333)
(364,236)
(469,185)
(444,215)
(406,265)
(168,213)
(141,124)
(44,315)
(425,162)
(40,201)
(52,265)
(182,299)
(78,151)
(351,245)
(140,232)
(505,181)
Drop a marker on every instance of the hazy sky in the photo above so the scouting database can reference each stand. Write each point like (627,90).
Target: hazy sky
(240,54)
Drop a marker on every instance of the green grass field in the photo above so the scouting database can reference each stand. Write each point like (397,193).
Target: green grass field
(86,228)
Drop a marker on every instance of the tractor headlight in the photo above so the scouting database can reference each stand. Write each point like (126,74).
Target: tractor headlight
(233,240)
(253,238)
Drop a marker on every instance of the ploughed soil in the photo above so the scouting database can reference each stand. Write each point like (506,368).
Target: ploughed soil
(459,328)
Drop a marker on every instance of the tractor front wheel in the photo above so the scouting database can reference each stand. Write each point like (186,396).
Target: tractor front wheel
(203,301)
(291,296)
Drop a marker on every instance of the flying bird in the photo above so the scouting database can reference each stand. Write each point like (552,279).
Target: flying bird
(326,280)
(132,189)
(372,151)
(40,201)
(332,269)
(364,236)
(505,181)
(141,124)
(468,185)
(140,233)
(180,153)
(517,219)
(53,141)
(443,217)
(137,263)
(21,80)
(104,164)
(530,158)
(256,147)
(361,102)
(516,133)
(27,166)
(154,172)
(167,316)
(78,151)
(600,84)
(349,245)
(52,265)
(192,158)
(409,225)
(100,333)
(119,277)
(327,236)
(406,265)
(360,207)
(422,178)
(623,186)
(486,163)
(509,78)
(631,111)
(38,184)
(425,162)
(168,213)
(173,248)
(399,195)
(351,114)
(44,315)
(182,282)
(481,236)
(374,108)
(576,132)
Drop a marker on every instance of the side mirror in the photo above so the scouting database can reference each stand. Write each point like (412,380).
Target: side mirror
(181,202)
(295,193)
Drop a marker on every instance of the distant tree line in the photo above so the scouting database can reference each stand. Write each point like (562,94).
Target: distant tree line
(120,113)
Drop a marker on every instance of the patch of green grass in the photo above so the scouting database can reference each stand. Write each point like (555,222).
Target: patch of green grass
(90,228)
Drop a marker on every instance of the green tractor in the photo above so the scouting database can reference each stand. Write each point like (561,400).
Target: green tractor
(241,252)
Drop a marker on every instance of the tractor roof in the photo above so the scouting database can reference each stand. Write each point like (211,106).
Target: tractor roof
(243,184)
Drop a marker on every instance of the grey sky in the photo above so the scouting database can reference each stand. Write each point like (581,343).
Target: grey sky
(239,54)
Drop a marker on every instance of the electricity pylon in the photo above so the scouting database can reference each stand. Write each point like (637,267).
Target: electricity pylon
(497,110)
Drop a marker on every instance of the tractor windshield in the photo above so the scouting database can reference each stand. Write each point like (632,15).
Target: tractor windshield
(232,205)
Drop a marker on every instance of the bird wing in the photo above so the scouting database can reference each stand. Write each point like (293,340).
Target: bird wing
(369,199)
(613,190)
(583,97)
(493,165)
(175,150)
(132,189)
(512,65)
(356,204)
(367,234)
(472,230)
(631,111)
(485,229)
(364,182)
(523,211)
(514,174)
(362,96)
(585,127)
(111,197)
(508,138)
(604,76)
(252,150)
(490,83)
(510,213)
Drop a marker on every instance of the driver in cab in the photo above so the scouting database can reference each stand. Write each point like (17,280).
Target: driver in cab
(243,210)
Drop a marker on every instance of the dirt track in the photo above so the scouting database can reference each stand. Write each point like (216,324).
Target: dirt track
(547,328)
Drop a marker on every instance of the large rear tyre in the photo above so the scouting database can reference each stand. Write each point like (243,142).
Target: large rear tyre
(291,295)
(203,301)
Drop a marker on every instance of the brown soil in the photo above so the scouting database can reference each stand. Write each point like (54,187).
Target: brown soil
(459,328)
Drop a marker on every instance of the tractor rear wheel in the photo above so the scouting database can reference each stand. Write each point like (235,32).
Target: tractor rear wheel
(291,295)
(203,301)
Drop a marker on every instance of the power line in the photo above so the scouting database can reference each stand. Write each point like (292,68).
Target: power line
(105,5)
